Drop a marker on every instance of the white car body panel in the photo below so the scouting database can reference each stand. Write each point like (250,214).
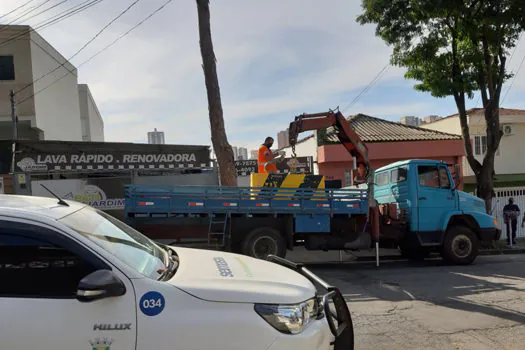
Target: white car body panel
(227,277)
(204,307)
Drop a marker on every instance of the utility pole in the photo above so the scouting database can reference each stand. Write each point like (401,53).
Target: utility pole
(14,121)
(13,115)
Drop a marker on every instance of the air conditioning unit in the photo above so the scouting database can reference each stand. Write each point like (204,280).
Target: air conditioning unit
(508,129)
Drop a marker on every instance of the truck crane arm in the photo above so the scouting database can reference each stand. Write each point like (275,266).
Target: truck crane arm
(346,135)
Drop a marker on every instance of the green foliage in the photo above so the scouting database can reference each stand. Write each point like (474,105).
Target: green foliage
(440,42)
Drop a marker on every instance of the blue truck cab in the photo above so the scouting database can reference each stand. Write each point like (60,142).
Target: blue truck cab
(423,211)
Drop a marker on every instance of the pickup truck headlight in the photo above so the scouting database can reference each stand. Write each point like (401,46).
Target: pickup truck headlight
(289,319)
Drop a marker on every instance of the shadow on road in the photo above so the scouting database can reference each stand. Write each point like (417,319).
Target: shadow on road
(455,287)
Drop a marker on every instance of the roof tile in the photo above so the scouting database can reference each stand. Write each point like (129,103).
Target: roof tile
(372,129)
(476,111)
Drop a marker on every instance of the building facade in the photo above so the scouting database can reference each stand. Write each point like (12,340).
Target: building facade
(90,118)
(156,137)
(387,142)
(282,139)
(47,98)
(242,153)
(410,120)
(509,163)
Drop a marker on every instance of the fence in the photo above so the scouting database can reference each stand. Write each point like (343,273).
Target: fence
(501,199)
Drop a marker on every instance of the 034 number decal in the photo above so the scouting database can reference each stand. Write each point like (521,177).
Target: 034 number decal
(152,303)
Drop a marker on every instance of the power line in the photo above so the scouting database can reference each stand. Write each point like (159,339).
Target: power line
(46,10)
(16,9)
(24,14)
(69,13)
(373,82)
(508,64)
(102,50)
(517,72)
(369,86)
(84,46)
(53,20)
(514,78)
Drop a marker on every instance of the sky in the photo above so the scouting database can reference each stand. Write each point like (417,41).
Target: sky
(275,59)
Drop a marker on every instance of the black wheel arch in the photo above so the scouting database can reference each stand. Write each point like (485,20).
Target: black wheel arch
(464,220)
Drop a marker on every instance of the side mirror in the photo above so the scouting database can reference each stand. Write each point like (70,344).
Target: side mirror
(99,285)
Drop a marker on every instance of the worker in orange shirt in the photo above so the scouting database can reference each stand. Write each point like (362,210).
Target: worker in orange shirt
(265,158)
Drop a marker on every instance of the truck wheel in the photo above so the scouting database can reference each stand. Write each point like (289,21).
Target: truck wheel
(461,246)
(262,242)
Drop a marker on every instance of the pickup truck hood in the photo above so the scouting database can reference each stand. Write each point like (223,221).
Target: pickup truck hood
(226,277)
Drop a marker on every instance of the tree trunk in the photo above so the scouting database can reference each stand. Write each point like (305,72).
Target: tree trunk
(485,186)
(223,150)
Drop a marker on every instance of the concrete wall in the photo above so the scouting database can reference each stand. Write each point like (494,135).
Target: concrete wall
(57,107)
(509,159)
(334,159)
(449,125)
(91,120)
(20,50)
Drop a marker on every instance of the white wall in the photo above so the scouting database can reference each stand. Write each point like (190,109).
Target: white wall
(92,122)
(20,50)
(57,107)
(509,159)
(307,148)
(449,125)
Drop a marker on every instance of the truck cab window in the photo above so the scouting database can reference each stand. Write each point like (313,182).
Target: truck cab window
(32,268)
(444,180)
(382,179)
(428,176)
(399,175)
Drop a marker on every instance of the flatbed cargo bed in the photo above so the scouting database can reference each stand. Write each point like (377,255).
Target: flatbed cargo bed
(158,201)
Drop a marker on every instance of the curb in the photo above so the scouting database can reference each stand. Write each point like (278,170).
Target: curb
(506,251)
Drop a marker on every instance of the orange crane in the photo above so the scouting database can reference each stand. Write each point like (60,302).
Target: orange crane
(355,147)
(346,135)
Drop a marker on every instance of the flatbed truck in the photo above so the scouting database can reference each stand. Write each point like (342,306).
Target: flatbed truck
(413,205)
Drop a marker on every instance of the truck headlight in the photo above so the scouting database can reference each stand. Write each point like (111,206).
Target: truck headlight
(289,319)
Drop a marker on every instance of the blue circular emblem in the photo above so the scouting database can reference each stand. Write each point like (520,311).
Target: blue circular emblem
(152,303)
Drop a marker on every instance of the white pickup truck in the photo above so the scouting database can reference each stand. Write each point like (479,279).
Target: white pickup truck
(73,277)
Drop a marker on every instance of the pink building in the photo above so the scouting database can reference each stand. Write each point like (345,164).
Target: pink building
(387,142)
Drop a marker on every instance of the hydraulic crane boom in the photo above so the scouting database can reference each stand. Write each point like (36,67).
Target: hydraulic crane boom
(346,135)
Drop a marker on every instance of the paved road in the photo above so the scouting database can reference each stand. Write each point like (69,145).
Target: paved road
(430,305)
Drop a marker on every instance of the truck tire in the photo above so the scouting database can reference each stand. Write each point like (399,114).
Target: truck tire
(263,241)
(460,246)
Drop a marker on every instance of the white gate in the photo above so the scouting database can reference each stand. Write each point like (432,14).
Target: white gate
(502,198)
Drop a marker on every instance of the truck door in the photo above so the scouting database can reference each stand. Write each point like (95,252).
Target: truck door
(40,269)
(435,199)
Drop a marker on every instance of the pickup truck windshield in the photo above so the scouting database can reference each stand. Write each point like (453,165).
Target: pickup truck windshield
(127,244)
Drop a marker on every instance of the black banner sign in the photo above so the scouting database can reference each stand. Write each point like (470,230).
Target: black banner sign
(247,167)
(120,158)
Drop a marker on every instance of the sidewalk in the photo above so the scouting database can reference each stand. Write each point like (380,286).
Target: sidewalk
(501,247)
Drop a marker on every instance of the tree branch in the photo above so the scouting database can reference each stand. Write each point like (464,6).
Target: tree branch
(465,133)
(488,62)
(459,97)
